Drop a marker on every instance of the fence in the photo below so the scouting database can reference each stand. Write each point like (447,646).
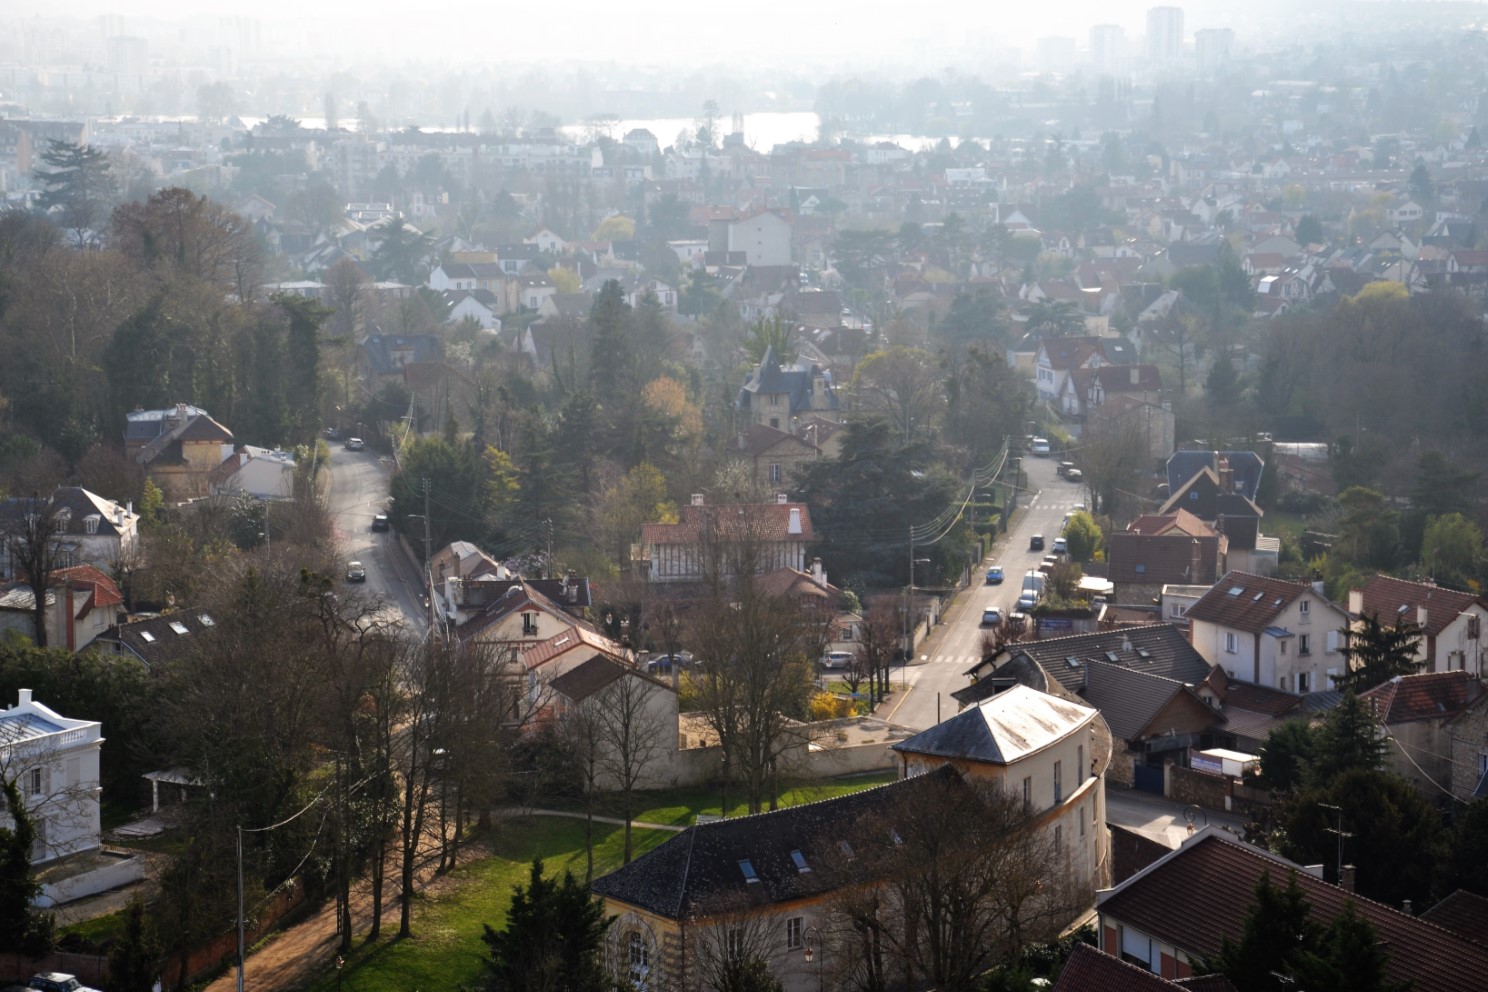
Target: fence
(90,969)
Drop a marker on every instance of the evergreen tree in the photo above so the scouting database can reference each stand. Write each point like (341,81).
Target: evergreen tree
(1277,927)
(612,357)
(1348,739)
(1376,653)
(1349,958)
(79,184)
(551,941)
(22,928)
(402,254)
(134,960)
(302,366)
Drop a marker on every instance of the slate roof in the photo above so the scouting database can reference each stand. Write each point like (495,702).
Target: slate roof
(698,871)
(146,425)
(584,680)
(1464,913)
(1118,379)
(1157,649)
(158,639)
(1384,595)
(756,439)
(1428,696)
(1129,699)
(769,378)
(1246,602)
(1245,469)
(1000,730)
(1091,970)
(1200,894)
(379,350)
(80,502)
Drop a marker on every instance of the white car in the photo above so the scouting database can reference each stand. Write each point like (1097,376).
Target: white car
(837,660)
(1041,447)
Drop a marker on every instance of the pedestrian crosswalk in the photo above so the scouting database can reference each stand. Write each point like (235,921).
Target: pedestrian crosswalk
(964,660)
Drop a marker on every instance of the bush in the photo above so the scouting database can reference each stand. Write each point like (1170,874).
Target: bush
(826,706)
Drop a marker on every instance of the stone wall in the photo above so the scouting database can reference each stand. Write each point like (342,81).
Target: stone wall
(1200,788)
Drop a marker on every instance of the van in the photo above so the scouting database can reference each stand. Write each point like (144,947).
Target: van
(1033,590)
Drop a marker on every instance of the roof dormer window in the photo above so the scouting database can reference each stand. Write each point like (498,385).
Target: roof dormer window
(90,523)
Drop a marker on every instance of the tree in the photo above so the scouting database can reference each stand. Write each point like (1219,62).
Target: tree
(134,960)
(1464,866)
(21,927)
(904,384)
(1375,653)
(1349,958)
(1082,536)
(1347,739)
(552,939)
(631,739)
(1451,549)
(302,360)
(1309,231)
(79,186)
(1369,531)
(1286,756)
(33,542)
(1419,184)
(1278,927)
(177,232)
(771,334)
(1055,318)
(402,253)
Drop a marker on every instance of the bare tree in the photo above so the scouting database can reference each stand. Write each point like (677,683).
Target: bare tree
(632,738)
(732,948)
(581,733)
(879,640)
(32,541)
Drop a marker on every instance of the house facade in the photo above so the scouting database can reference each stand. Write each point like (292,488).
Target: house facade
(773,456)
(179,448)
(54,760)
(1451,622)
(1418,713)
(700,541)
(93,530)
(1270,632)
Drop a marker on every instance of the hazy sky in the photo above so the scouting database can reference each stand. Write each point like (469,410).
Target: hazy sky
(653,31)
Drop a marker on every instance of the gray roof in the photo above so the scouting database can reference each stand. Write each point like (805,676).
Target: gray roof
(1002,729)
(24,727)
(1128,698)
(379,349)
(1156,649)
(1245,467)
(770,378)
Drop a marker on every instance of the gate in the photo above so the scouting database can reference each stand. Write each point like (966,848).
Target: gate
(1148,778)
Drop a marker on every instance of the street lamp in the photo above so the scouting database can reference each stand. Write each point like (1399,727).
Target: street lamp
(818,953)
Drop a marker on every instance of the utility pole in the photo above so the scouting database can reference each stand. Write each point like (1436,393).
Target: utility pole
(428,556)
(548,561)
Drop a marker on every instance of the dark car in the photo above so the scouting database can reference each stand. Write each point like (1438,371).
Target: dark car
(1036,542)
(991,616)
(355,444)
(380,522)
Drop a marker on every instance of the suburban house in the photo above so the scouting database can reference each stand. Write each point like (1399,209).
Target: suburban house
(1176,911)
(811,591)
(257,472)
(700,541)
(772,455)
(479,305)
(157,639)
(92,530)
(764,236)
(1152,421)
(1271,632)
(1417,713)
(1222,494)
(179,448)
(1086,390)
(649,704)
(1251,712)
(1091,970)
(1451,622)
(1468,747)
(1161,549)
(536,665)
(497,607)
(54,761)
(769,880)
(1143,680)
(775,396)
(1057,358)
(382,357)
(81,604)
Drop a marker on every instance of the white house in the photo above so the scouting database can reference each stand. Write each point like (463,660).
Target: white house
(92,530)
(547,242)
(480,305)
(1451,622)
(1270,632)
(54,762)
(257,472)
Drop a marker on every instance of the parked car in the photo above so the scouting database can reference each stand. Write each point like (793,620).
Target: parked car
(991,616)
(355,572)
(1061,546)
(1065,468)
(1040,447)
(994,575)
(380,522)
(663,664)
(1074,475)
(1036,542)
(57,981)
(354,444)
(837,660)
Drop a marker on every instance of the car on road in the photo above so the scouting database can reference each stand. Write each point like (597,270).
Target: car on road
(1074,475)
(380,522)
(355,444)
(994,575)
(1061,546)
(1036,542)
(57,981)
(991,616)
(837,660)
(1065,468)
(1040,447)
(355,572)
(664,664)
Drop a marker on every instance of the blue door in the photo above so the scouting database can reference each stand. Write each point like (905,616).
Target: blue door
(1148,778)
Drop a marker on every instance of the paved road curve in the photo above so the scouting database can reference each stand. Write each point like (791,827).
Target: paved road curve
(359,491)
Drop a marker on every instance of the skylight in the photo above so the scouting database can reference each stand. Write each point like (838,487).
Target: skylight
(148,636)
(1144,654)
(206,620)
(1237,591)
(1257,597)
(845,848)
(747,867)
(179,627)
(800,862)
(894,836)
(1072,661)
(1112,657)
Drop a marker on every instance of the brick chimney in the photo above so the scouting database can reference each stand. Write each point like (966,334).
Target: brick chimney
(1226,475)
(1347,881)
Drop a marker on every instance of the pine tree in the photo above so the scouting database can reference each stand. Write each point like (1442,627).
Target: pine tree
(1349,958)
(1277,927)
(78,183)
(134,960)
(1376,653)
(1348,739)
(612,357)
(552,939)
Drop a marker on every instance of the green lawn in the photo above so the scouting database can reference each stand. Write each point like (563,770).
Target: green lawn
(446,951)
(680,807)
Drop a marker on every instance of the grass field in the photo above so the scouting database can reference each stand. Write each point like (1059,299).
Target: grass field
(446,951)
(680,807)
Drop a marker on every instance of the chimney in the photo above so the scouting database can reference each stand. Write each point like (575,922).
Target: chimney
(795,521)
(129,507)
(1195,562)
(1405,907)
(1136,375)
(1126,645)
(817,572)
(1421,617)
(781,499)
(697,499)
(1347,881)
(1356,601)
(25,698)
(1320,587)
(1226,476)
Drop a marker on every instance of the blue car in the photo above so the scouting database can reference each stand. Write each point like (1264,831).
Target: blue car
(994,575)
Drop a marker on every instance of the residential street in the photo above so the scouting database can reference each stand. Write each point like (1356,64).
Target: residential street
(358,491)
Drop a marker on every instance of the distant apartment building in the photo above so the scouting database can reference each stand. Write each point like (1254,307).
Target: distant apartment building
(1212,48)
(1165,34)
(1107,45)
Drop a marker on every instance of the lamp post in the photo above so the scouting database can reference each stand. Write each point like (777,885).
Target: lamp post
(817,953)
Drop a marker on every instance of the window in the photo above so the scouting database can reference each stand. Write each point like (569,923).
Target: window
(736,942)
(1058,840)
(1482,763)
(33,781)
(1472,627)
(1232,643)
(1193,495)
(799,860)
(1082,825)
(1281,684)
(1080,761)
(640,958)
(775,472)
(1058,782)
(793,930)
(846,849)
(1304,681)
(1281,646)
(775,422)
(1304,644)
(1027,794)
(747,867)
(529,624)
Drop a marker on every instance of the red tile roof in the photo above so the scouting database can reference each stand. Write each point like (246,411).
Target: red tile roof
(1463,913)
(1179,520)
(1384,595)
(1201,893)
(105,593)
(1430,696)
(1090,970)
(771,520)
(1253,607)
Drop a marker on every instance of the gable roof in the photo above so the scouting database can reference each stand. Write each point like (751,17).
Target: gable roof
(770,520)
(1247,602)
(698,871)
(1130,699)
(1384,595)
(1178,520)
(575,638)
(157,639)
(80,504)
(1428,696)
(1000,730)
(1118,379)
(1464,913)
(1200,893)
(584,680)
(1166,558)
(757,439)
(1091,970)
(1158,649)
(1245,469)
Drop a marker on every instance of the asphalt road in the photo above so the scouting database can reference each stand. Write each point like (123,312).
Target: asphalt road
(943,659)
(359,491)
